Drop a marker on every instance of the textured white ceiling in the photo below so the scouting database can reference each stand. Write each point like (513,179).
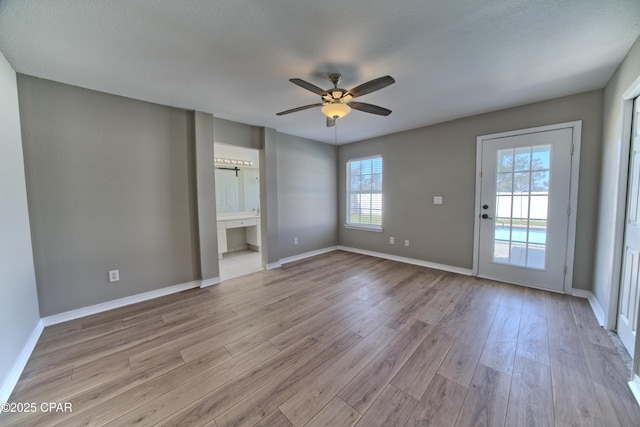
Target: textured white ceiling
(233,58)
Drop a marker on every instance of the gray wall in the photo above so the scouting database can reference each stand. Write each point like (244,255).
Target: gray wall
(234,133)
(439,160)
(18,298)
(206,197)
(307,200)
(109,187)
(269,198)
(613,188)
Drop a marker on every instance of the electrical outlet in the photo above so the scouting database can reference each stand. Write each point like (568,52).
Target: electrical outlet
(392,240)
(295,240)
(114,276)
(406,242)
(437,200)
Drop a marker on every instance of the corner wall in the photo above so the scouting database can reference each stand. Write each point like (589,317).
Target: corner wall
(19,315)
(307,200)
(110,186)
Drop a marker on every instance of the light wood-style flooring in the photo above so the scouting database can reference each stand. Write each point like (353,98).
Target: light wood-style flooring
(340,339)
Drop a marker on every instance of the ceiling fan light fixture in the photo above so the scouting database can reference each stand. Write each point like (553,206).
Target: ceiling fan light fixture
(335,110)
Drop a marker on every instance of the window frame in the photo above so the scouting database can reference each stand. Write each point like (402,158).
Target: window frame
(349,192)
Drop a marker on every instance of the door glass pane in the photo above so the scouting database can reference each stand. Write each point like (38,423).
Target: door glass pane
(504,183)
(503,206)
(521,182)
(505,160)
(501,252)
(539,206)
(518,254)
(540,181)
(522,206)
(522,160)
(540,158)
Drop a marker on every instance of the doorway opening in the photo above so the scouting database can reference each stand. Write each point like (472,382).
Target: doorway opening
(237,177)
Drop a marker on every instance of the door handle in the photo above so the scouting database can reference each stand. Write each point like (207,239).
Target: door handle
(485,216)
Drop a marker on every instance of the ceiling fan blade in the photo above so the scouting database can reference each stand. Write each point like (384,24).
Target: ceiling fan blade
(369,108)
(331,122)
(308,86)
(293,110)
(372,86)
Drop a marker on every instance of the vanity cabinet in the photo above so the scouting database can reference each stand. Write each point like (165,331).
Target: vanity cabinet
(251,224)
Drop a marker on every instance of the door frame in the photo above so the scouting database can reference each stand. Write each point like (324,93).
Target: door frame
(576,127)
(611,311)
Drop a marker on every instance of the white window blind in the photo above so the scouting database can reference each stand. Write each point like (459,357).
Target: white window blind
(364,192)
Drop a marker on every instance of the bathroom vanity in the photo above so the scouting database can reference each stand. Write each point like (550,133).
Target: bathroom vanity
(238,225)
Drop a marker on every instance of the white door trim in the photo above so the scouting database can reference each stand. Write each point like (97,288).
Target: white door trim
(611,311)
(576,126)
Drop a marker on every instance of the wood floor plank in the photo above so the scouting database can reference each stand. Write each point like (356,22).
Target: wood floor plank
(534,302)
(341,322)
(500,347)
(392,408)
(455,317)
(574,397)
(205,356)
(440,404)
(418,371)
(381,313)
(305,404)
(531,398)
(119,341)
(275,419)
(588,325)
(205,340)
(533,338)
(267,398)
(271,330)
(209,368)
(609,375)
(486,401)
(512,296)
(198,402)
(42,383)
(449,290)
(370,381)
(330,316)
(336,413)
(460,362)
(422,301)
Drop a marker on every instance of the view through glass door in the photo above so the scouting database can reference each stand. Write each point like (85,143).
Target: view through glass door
(525,192)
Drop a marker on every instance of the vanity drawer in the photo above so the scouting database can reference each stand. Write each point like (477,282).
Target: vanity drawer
(236,223)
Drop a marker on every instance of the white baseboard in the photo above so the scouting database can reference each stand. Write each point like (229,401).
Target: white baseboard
(117,303)
(210,282)
(307,254)
(273,265)
(436,266)
(14,374)
(634,385)
(593,302)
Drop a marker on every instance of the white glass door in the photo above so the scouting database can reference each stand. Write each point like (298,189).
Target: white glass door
(525,189)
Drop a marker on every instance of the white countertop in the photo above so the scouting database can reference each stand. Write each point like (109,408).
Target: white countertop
(237,215)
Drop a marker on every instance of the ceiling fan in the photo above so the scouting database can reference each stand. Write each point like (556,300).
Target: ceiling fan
(336,102)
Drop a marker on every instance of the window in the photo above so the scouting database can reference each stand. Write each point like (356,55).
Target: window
(364,193)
